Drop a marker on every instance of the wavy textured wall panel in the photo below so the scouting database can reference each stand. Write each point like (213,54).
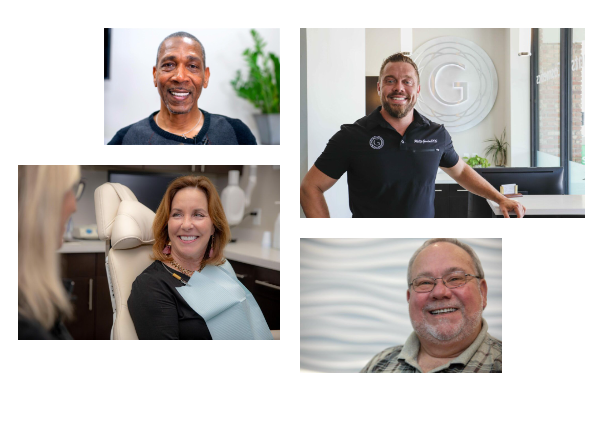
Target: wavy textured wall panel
(353,298)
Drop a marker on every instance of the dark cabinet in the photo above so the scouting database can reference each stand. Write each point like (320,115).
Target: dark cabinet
(90,295)
(265,287)
(441,201)
(450,201)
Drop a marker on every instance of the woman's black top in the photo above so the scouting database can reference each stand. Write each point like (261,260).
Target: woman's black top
(157,309)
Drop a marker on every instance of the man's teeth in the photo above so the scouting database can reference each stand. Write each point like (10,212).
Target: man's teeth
(179,94)
(188,238)
(444,310)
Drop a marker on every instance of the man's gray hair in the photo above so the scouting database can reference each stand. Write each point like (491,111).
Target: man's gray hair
(473,255)
(182,34)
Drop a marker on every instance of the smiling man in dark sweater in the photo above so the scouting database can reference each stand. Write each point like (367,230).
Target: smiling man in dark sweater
(180,75)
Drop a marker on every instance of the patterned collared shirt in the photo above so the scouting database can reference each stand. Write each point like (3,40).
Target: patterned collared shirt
(483,356)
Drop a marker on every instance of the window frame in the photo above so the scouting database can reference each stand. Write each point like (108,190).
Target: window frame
(565,102)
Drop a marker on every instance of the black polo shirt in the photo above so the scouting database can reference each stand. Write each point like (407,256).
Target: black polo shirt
(389,175)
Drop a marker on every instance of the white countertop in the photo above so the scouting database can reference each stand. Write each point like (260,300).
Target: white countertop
(82,246)
(547,205)
(246,252)
(253,253)
(443,178)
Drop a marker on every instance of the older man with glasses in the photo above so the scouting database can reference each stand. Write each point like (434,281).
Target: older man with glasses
(447,295)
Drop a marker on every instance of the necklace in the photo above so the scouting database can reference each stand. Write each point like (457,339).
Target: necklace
(175,275)
(184,134)
(183,270)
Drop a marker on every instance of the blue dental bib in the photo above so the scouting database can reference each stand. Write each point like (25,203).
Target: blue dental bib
(228,308)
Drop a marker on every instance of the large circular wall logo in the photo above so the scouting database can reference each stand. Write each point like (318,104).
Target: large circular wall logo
(376,142)
(459,83)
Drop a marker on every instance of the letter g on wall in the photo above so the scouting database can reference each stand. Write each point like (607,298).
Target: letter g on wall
(459,82)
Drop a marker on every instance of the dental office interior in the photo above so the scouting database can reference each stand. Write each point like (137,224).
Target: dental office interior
(519,91)
(250,196)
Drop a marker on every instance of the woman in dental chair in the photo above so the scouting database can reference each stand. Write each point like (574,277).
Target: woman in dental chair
(190,291)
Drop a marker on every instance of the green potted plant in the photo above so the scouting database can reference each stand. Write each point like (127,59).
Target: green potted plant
(262,88)
(498,149)
(477,162)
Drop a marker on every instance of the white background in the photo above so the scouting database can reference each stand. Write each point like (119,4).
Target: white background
(554,326)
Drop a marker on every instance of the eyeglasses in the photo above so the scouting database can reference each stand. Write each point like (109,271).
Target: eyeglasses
(78,189)
(451,280)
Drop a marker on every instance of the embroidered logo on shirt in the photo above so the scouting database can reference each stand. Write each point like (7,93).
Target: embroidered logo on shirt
(376,142)
(426,141)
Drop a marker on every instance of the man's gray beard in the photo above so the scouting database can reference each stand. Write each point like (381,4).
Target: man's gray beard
(389,108)
(430,333)
(177,113)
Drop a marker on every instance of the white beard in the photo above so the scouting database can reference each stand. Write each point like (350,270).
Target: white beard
(433,333)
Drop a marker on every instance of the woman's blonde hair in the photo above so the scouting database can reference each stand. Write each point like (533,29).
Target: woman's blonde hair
(222,233)
(42,189)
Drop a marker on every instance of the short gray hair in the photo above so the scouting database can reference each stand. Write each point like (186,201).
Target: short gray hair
(473,255)
(182,34)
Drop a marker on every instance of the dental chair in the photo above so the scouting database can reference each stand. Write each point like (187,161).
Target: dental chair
(125,224)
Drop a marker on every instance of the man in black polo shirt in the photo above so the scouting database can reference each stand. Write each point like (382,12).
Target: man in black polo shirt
(392,157)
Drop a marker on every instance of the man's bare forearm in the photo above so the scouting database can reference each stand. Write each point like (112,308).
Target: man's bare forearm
(473,182)
(313,202)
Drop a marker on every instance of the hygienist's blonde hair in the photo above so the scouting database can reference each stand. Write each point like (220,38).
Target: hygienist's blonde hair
(42,189)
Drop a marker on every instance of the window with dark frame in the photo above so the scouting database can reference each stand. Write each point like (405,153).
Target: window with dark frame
(557,103)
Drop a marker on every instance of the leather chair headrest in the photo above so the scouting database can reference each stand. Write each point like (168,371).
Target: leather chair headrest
(121,218)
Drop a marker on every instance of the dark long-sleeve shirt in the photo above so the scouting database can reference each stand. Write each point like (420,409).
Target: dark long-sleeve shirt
(157,309)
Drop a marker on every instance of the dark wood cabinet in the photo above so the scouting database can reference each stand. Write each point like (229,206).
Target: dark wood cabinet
(90,295)
(450,201)
(265,287)
(441,201)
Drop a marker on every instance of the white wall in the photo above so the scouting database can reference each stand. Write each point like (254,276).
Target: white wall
(264,196)
(518,100)
(335,96)
(130,95)
(493,42)
(380,43)
(303,108)
(353,298)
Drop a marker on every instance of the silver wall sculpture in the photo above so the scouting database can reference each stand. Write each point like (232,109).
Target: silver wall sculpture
(458,80)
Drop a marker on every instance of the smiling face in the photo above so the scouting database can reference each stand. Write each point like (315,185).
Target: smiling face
(180,75)
(398,88)
(189,226)
(463,319)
